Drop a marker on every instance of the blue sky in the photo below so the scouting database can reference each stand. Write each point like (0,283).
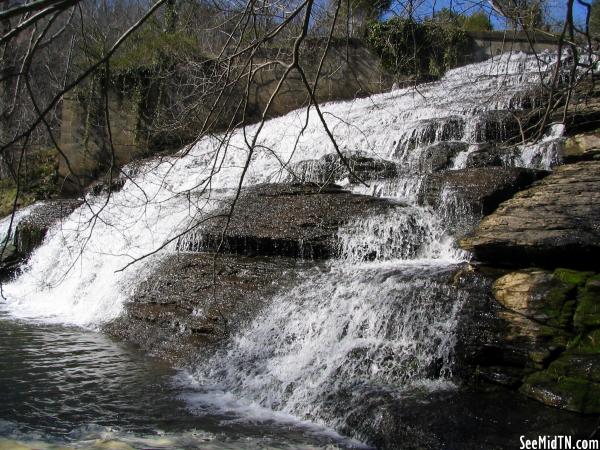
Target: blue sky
(556,9)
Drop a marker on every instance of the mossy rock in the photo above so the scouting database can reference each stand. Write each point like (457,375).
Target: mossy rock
(582,367)
(548,298)
(587,314)
(28,236)
(572,277)
(572,394)
(585,344)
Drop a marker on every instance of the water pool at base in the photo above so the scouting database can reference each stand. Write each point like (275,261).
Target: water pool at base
(68,387)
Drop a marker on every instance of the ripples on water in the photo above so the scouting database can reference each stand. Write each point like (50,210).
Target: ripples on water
(66,386)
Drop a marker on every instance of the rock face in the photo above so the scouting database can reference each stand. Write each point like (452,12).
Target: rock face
(552,224)
(480,189)
(541,334)
(30,232)
(538,295)
(182,313)
(287,220)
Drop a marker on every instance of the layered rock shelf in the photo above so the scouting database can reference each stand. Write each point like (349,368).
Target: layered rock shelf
(297,220)
(552,224)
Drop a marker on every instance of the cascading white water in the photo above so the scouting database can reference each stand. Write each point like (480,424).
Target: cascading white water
(370,324)
(389,322)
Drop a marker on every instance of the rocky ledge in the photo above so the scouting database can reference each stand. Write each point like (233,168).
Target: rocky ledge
(554,223)
(194,301)
(296,220)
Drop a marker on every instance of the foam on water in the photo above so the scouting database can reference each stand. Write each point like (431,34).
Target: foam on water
(373,324)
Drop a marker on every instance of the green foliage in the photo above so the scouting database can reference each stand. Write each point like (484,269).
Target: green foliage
(8,192)
(38,181)
(573,277)
(371,8)
(416,49)
(149,47)
(478,21)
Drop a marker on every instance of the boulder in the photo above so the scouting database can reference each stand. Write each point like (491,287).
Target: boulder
(497,343)
(587,314)
(487,155)
(481,190)
(554,223)
(572,381)
(9,258)
(298,220)
(542,336)
(193,301)
(429,131)
(582,147)
(496,126)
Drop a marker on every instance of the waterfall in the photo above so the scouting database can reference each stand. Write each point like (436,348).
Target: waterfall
(382,314)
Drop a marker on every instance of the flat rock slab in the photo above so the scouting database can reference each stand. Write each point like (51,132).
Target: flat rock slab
(192,302)
(296,220)
(555,223)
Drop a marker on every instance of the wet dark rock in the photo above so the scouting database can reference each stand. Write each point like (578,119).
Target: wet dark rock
(552,224)
(429,131)
(496,126)
(480,190)
(460,417)
(570,382)
(440,156)
(179,314)
(489,155)
(31,231)
(497,343)
(331,168)
(9,259)
(298,220)
(105,186)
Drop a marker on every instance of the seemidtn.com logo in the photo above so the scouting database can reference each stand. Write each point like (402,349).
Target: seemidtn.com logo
(558,443)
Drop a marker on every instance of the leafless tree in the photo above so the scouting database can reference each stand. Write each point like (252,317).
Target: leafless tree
(52,48)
